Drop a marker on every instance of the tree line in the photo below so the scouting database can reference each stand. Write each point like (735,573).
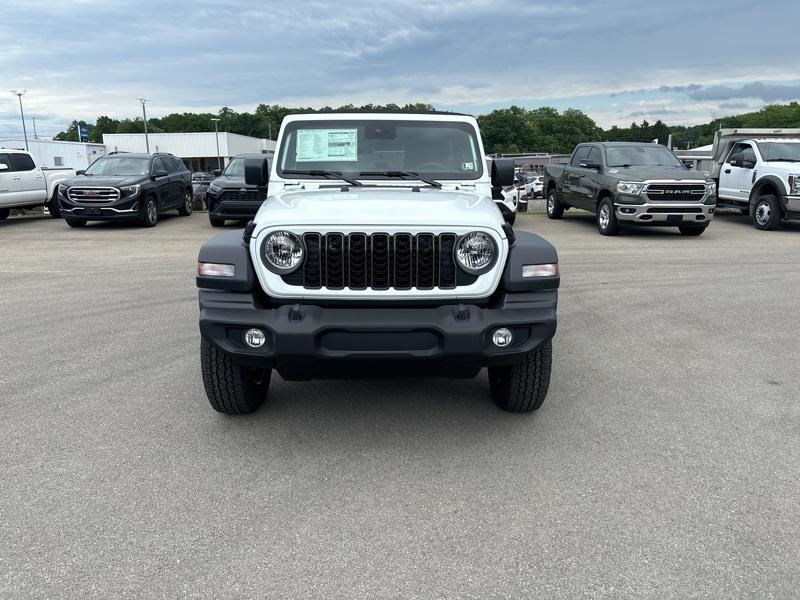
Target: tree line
(505,130)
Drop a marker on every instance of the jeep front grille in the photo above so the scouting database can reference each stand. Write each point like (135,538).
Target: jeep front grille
(379,261)
(93,195)
(675,192)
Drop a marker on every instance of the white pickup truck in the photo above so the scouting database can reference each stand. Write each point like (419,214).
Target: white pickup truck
(758,172)
(23,184)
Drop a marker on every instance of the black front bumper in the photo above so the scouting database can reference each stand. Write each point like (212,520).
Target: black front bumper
(232,209)
(309,342)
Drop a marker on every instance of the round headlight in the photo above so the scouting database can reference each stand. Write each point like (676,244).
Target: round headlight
(282,252)
(475,252)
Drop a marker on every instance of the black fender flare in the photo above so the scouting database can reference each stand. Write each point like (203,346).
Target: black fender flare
(228,249)
(528,249)
(761,183)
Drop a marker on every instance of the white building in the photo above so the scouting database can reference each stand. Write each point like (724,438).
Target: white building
(53,153)
(198,150)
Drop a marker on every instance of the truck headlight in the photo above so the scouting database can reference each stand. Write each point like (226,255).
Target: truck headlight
(630,187)
(214,189)
(282,252)
(475,252)
(130,191)
(794,184)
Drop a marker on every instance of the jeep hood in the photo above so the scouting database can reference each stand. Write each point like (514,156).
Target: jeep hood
(380,207)
(646,173)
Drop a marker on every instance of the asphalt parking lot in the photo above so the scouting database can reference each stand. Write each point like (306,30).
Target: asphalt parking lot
(664,463)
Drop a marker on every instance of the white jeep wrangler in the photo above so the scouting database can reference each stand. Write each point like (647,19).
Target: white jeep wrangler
(379,252)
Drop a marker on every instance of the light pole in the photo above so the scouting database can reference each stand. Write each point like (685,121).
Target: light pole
(144,116)
(216,135)
(19,94)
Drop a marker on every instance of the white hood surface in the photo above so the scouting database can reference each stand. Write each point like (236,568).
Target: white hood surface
(373,207)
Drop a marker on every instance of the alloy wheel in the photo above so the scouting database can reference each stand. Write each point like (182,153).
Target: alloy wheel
(604,217)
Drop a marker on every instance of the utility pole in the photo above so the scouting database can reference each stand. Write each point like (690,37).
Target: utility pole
(216,135)
(35,135)
(19,94)
(144,116)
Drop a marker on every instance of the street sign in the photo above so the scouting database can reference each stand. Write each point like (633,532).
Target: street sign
(83,133)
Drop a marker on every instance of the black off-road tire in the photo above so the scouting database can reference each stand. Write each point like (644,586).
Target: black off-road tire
(186,207)
(608,226)
(555,210)
(4,212)
(231,389)
(523,387)
(76,222)
(767,212)
(692,230)
(216,221)
(52,206)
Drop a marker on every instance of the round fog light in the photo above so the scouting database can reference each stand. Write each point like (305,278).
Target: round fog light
(502,337)
(254,338)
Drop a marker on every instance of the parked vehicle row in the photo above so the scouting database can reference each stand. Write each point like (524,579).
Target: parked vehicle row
(24,184)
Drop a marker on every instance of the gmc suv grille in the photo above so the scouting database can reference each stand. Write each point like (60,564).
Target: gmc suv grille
(380,261)
(93,195)
(675,192)
(239,196)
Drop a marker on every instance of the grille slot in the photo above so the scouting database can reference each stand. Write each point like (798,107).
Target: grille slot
(239,196)
(93,195)
(675,192)
(379,261)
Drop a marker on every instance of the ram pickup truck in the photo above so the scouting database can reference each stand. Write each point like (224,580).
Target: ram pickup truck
(758,172)
(625,183)
(23,184)
(379,252)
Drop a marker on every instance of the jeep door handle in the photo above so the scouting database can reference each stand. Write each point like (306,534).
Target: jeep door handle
(727,170)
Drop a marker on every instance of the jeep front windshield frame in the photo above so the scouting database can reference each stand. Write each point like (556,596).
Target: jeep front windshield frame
(438,150)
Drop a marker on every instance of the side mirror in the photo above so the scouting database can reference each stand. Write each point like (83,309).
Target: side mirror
(502,172)
(216,172)
(734,163)
(80,172)
(590,165)
(256,172)
(159,173)
(3,167)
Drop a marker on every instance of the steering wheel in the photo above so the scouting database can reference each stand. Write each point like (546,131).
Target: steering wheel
(431,166)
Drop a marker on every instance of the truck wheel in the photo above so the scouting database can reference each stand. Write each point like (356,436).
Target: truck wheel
(53,207)
(231,389)
(555,210)
(4,212)
(149,216)
(605,218)
(186,208)
(767,213)
(76,222)
(216,221)
(692,230)
(523,387)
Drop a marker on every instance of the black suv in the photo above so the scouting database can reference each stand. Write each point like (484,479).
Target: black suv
(127,186)
(229,197)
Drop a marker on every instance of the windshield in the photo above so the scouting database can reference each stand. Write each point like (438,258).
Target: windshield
(775,151)
(649,155)
(119,166)
(235,168)
(380,149)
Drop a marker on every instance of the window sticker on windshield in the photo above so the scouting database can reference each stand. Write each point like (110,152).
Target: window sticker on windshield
(319,145)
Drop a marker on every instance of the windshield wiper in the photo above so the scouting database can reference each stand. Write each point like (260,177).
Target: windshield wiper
(321,173)
(402,175)
(783,160)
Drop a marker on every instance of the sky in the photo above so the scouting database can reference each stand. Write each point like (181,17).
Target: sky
(618,61)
